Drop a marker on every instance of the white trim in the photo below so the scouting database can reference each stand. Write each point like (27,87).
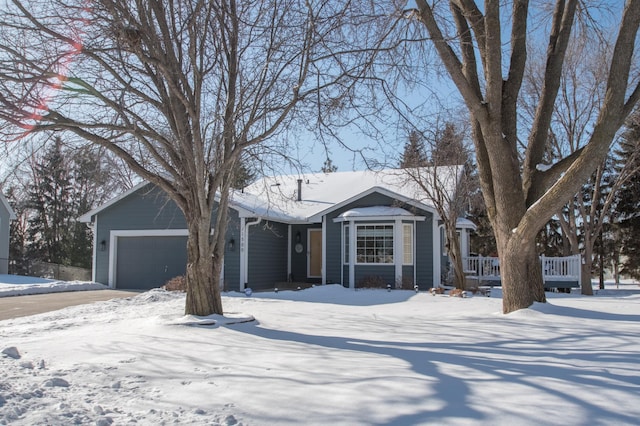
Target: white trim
(94,251)
(355,260)
(244,272)
(309,231)
(398,251)
(288,252)
(370,218)
(435,242)
(415,250)
(7,206)
(374,189)
(87,216)
(323,271)
(352,255)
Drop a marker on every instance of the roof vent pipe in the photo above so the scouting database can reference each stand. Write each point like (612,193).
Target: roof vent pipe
(299,189)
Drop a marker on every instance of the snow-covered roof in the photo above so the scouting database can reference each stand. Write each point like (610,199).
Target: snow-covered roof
(320,193)
(375,211)
(463,223)
(276,197)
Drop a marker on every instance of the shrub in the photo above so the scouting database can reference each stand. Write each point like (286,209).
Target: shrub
(456,292)
(371,281)
(178,283)
(407,283)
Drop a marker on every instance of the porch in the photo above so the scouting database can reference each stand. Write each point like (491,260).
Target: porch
(557,272)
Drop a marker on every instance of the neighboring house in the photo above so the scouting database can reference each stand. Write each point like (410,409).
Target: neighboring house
(6,216)
(343,227)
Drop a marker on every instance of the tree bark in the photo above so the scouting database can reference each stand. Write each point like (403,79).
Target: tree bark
(203,289)
(455,256)
(521,275)
(586,287)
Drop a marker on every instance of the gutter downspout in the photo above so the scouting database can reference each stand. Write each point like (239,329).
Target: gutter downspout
(245,253)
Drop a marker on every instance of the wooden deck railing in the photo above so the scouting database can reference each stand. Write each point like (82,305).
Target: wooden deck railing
(487,268)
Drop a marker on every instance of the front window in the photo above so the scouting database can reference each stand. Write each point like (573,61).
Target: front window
(374,244)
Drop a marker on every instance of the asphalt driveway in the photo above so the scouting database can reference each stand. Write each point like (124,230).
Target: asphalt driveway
(22,306)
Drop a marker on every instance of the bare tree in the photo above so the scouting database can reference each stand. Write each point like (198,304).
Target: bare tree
(520,195)
(177,90)
(437,164)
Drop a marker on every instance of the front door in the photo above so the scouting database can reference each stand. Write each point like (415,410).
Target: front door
(315,253)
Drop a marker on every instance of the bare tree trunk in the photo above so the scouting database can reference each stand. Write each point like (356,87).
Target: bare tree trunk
(203,290)
(521,275)
(455,256)
(585,286)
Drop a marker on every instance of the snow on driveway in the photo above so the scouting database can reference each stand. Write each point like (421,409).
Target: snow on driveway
(18,285)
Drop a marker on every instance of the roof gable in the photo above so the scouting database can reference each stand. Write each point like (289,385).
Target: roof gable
(7,206)
(276,197)
(321,193)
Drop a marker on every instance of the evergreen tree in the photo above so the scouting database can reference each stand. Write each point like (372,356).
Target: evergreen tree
(50,201)
(328,166)
(449,148)
(90,187)
(414,154)
(243,174)
(628,200)
(18,238)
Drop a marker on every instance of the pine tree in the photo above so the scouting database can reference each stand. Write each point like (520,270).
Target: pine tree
(328,166)
(449,148)
(50,200)
(628,200)
(243,175)
(414,154)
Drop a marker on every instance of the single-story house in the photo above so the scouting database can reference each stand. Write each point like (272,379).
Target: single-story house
(351,228)
(6,216)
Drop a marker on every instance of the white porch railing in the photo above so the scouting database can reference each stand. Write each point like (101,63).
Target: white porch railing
(486,268)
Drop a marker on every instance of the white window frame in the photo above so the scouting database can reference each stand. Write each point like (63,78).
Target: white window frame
(390,225)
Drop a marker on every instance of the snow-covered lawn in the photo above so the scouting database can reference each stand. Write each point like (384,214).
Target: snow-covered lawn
(18,285)
(328,356)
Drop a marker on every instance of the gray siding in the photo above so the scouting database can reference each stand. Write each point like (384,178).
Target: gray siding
(334,252)
(146,209)
(6,212)
(423,245)
(407,276)
(267,255)
(424,252)
(386,272)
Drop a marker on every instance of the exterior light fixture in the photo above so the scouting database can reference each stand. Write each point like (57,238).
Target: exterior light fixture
(232,244)
(103,245)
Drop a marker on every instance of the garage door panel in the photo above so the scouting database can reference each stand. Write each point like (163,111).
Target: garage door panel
(149,262)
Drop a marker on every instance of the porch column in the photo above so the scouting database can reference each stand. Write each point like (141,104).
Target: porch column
(437,254)
(398,251)
(323,270)
(288,252)
(352,255)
